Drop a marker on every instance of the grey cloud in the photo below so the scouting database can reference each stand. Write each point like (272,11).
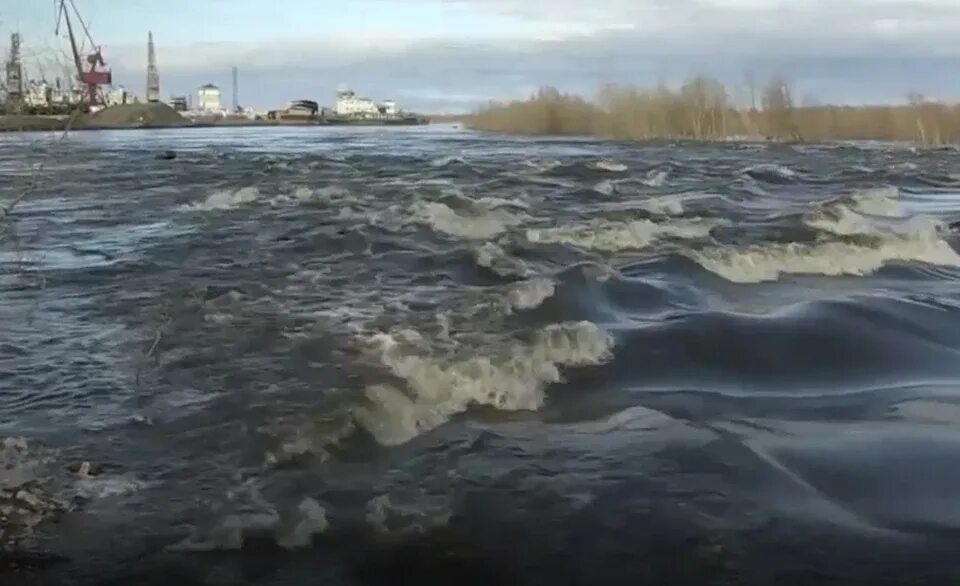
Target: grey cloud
(837,53)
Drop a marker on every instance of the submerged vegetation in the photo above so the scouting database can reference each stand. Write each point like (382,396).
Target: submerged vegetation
(703,109)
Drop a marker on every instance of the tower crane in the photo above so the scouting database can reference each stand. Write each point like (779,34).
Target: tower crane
(93,77)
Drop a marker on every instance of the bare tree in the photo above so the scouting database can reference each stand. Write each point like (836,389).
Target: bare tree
(778,107)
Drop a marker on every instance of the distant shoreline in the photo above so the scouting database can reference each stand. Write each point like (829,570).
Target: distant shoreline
(59,124)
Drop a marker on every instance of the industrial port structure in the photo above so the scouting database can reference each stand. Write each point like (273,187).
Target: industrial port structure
(89,89)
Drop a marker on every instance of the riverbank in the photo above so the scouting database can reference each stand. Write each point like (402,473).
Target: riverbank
(139,116)
(56,124)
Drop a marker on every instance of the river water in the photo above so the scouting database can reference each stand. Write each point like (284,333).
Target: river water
(358,356)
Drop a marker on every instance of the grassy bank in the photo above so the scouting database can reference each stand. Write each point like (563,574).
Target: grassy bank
(702,109)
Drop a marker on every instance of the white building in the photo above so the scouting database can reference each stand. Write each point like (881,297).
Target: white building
(349,104)
(36,94)
(208,98)
(118,95)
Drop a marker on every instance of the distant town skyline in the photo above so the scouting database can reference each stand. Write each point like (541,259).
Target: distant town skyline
(449,56)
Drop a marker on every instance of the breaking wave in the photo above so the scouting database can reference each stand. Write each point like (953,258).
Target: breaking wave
(479,221)
(617,236)
(768,262)
(491,256)
(436,389)
(225,199)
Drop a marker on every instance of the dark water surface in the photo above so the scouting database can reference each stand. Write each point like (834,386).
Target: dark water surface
(367,356)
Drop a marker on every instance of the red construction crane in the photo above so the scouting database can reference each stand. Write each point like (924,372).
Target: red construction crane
(92,78)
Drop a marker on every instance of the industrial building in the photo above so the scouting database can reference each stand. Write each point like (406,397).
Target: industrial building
(352,106)
(296,110)
(209,99)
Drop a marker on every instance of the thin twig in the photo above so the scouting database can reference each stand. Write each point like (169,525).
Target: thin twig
(158,335)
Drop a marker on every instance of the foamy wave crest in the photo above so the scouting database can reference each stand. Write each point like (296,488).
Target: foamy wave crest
(869,213)
(767,263)
(609,166)
(530,294)
(493,257)
(225,200)
(667,206)
(882,201)
(477,222)
(447,161)
(605,187)
(542,166)
(329,194)
(839,220)
(656,178)
(616,236)
(770,173)
(437,389)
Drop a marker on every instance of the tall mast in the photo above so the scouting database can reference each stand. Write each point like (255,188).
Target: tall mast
(153,76)
(14,76)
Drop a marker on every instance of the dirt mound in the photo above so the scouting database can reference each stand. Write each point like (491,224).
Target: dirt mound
(150,115)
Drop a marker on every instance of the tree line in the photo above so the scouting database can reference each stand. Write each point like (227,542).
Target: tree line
(703,109)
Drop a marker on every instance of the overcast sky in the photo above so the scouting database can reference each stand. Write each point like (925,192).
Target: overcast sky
(446,55)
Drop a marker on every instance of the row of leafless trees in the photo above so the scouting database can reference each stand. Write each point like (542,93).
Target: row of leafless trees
(702,109)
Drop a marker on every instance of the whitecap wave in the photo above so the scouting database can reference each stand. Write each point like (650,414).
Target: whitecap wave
(491,256)
(605,187)
(527,295)
(883,201)
(766,170)
(869,213)
(446,161)
(476,222)
(438,389)
(671,205)
(225,199)
(656,178)
(617,236)
(766,263)
(609,166)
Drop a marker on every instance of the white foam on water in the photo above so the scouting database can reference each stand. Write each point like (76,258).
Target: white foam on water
(656,178)
(18,466)
(883,201)
(527,295)
(543,166)
(493,257)
(298,530)
(102,487)
(868,213)
(413,514)
(671,205)
(770,169)
(289,529)
(225,200)
(617,236)
(437,389)
(605,187)
(840,220)
(608,165)
(445,161)
(755,264)
(500,202)
(479,223)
